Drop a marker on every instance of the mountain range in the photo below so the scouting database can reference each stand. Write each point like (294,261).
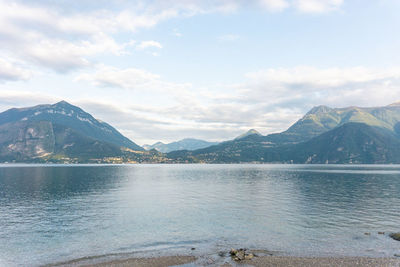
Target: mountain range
(65,133)
(366,135)
(184,144)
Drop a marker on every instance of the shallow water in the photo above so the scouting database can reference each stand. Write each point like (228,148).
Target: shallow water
(53,213)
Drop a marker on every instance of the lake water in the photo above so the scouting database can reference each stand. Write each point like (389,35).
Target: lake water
(53,213)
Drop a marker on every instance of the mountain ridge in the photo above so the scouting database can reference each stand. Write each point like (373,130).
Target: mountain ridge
(183,144)
(62,132)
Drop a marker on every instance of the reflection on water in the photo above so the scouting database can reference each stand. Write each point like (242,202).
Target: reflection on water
(53,213)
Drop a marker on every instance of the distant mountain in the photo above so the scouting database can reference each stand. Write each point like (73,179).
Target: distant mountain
(59,131)
(248,133)
(312,140)
(184,144)
(348,143)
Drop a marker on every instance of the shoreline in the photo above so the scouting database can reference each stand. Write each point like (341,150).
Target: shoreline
(265,258)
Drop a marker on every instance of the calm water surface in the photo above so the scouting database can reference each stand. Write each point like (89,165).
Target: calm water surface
(57,213)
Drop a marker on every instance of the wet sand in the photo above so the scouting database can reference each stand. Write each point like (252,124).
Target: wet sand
(146,262)
(299,261)
(262,261)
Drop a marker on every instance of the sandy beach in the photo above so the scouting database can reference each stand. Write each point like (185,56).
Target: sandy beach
(261,261)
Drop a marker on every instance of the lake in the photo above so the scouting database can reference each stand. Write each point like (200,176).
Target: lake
(53,213)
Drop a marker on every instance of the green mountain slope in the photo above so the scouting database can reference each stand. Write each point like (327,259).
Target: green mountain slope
(348,143)
(322,118)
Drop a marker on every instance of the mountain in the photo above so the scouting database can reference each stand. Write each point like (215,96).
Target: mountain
(308,140)
(184,144)
(248,133)
(321,119)
(59,132)
(348,143)
(63,113)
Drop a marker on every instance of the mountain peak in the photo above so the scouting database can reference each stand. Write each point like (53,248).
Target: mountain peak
(249,132)
(395,104)
(319,109)
(63,103)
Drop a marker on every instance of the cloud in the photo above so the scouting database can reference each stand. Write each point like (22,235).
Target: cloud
(269,100)
(306,86)
(11,72)
(176,33)
(275,5)
(130,78)
(148,44)
(12,99)
(50,38)
(317,6)
(228,37)
(328,77)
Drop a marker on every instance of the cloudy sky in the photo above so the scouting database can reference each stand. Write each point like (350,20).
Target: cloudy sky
(163,70)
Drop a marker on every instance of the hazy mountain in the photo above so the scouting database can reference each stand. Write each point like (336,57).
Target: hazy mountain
(184,144)
(58,131)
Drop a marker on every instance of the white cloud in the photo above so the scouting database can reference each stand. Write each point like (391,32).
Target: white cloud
(275,5)
(54,39)
(317,6)
(9,71)
(328,77)
(269,100)
(130,78)
(176,33)
(49,37)
(228,37)
(304,87)
(148,44)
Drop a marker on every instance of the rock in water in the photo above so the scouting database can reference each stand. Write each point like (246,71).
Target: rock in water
(395,236)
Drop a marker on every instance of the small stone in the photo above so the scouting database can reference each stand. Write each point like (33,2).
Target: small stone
(248,257)
(381,233)
(397,255)
(236,259)
(193,248)
(395,236)
(367,233)
(233,252)
(221,253)
(240,254)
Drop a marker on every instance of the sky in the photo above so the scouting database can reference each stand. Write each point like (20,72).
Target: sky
(163,70)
